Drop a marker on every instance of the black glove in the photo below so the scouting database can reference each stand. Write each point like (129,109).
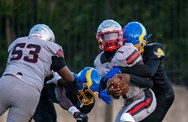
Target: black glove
(80,117)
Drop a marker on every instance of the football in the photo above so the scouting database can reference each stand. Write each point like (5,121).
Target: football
(120,81)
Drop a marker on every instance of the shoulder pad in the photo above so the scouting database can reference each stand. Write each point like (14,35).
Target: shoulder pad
(125,51)
(129,54)
(155,50)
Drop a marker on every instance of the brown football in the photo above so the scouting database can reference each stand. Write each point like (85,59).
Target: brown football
(118,82)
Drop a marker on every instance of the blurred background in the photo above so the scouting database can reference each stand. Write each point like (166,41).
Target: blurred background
(75,23)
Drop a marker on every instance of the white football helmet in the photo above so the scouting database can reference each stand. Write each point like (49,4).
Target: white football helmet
(109,35)
(42,31)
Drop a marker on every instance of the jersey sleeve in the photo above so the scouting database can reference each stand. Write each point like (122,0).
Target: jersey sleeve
(60,53)
(58,50)
(129,54)
(58,61)
(154,50)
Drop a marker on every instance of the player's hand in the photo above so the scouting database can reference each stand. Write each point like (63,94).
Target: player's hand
(105,97)
(115,92)
(80,117)
(111,73)
(55,78)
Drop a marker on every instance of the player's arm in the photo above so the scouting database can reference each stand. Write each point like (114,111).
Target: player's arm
(153,64)
(102,92)
(63,101)
(153,56)
(59,66)
(141,82)
(140,74)
(141,70)
(66,104)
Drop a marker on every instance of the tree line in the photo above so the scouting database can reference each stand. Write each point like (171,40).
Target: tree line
(75,24)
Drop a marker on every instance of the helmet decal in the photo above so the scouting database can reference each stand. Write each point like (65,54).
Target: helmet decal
(143,33)
(88,76)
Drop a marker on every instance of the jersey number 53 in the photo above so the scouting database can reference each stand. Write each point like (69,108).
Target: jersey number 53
(32,57)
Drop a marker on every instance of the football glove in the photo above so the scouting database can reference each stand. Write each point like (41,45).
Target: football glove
(80,117)
(111,73)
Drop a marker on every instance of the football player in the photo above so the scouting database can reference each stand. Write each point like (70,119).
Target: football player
(77,97)
(139,102)
(152,53)
(30,60)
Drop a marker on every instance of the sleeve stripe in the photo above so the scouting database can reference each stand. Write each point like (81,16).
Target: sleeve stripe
(135,55)
(60,53)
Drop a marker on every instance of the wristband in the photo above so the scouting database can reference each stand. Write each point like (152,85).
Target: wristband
(72,110)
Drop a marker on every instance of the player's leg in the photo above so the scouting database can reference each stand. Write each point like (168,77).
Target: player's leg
(52,99)
(52,111)
(138,109)
(144,107)
(45,111)
(4,96)
(25,98)
(164,102)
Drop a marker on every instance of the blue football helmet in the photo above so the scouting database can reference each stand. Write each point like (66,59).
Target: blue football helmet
(135,33)
(88,84)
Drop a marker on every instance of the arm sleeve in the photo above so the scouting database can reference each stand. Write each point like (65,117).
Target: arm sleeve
(138,70)
(153,64)
(141,82)
(102,85)
(57,63)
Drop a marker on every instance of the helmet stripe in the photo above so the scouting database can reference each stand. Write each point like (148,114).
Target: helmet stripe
(141,38)
(88,76)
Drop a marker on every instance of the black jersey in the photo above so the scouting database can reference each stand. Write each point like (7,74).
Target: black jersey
(152,57)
